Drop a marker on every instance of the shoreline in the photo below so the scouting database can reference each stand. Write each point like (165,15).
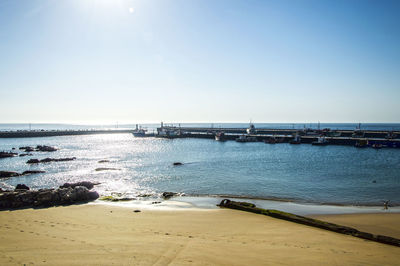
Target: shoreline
(185,202)
(98,234)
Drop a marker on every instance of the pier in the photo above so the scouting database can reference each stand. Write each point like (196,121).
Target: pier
(307,136)
(333,137)
(55,133)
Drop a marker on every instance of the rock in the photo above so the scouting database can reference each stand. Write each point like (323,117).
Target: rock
(177,163)
(6,154)
(137,211)
(13,148)
(87,184)
(25,154)
(103,161)
(33,161)
(5,174)
(27,149)
(44,197)
(22,186)
(105,168)
(21,197)
(167,195)
(92,195)
(156,202)
(48,160)
(112,198)
(30,172)
(45,148)
(144,195)
(374,181)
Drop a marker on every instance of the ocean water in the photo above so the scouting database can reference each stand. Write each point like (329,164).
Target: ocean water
(301,173)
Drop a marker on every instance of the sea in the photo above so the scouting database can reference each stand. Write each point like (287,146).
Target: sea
(292,175)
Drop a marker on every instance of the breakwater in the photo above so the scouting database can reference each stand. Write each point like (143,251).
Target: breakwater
(54,133)
(389,139)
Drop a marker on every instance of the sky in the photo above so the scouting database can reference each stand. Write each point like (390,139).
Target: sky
(103,61)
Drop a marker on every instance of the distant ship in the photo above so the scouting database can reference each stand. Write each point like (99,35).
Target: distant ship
(139,132)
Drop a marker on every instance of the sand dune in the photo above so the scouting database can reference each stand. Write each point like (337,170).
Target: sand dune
(107,235)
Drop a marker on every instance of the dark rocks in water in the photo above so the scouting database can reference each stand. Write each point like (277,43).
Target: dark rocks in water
(21,198)
(167,195)
(6,154)
(30,172)
(48,160)
(33,161)
(177,163)
(144,195)
(105,169)
(5,174)
(27,148)
(13,148)
(86,184)
(156,202)
(25,154)
(22,186)
(45,148)
(103,161)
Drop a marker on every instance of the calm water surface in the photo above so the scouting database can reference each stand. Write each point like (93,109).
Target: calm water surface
(304,173)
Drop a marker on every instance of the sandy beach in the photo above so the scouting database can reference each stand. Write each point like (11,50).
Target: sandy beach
(381,224)
(107,235)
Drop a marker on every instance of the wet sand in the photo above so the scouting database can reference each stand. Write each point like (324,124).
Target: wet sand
(106,235)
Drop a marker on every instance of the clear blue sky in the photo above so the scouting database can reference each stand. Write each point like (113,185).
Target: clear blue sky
(101,61)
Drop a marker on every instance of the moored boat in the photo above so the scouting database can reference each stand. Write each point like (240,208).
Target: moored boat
(377,146)
(139,132)
(362,143)
(245,138)
(296,139)
(321,141)
(220,136)
(271,140)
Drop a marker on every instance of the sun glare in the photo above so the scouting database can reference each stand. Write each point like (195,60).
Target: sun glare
(131,10)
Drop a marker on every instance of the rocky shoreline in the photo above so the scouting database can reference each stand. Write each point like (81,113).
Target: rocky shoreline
(67,194)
